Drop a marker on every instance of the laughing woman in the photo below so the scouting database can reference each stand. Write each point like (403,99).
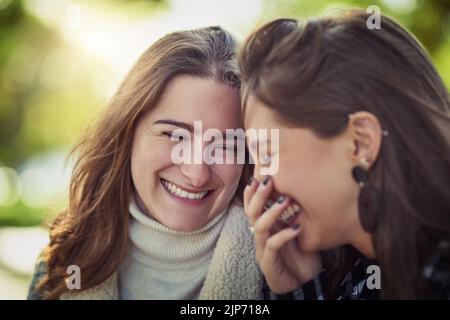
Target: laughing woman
(363,157)
(140,225)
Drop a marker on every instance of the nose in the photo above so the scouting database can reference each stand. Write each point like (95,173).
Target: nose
(198,174)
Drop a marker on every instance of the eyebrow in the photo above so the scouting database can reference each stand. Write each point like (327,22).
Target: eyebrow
(180,124)
(189,127)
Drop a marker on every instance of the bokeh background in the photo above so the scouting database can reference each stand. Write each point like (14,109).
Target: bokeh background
(60,61)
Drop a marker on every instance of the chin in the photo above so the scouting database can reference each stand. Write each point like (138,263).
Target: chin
(308,245)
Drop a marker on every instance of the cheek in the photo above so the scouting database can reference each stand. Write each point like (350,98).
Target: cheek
(146,161)
(229,175)
(329,195)
(317,181)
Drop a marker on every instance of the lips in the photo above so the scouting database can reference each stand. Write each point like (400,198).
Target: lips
(183,193)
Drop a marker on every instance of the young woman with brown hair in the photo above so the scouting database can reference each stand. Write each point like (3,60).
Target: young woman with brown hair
(364,159)
(138,225)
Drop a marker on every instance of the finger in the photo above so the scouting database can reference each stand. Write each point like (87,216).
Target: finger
(276,242)
(270,217)
(249,191)
(264,224)
(257,201)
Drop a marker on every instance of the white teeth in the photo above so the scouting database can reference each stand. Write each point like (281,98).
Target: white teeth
(289,212)
(182,193)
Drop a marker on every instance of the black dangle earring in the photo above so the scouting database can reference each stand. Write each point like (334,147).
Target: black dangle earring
(368,200)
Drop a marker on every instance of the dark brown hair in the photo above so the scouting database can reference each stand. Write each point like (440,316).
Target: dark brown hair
(93,231)
(314,74)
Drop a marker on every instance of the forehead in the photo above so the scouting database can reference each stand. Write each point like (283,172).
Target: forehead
(259,115)
(189,99)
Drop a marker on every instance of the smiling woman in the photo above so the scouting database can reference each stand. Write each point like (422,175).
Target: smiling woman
(364,157)
(184,196)
(140,226)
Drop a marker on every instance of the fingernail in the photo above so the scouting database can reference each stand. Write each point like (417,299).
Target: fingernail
(250,181)
(280,199)
(296,226)
(266,180)
(268,204)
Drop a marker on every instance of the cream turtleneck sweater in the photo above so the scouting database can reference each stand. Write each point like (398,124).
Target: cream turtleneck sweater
(163,263)
(229,263)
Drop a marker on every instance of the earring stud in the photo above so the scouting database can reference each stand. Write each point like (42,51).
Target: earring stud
(364,162)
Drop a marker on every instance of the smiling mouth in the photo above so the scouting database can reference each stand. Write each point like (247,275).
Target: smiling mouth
(184,194)
(289,214)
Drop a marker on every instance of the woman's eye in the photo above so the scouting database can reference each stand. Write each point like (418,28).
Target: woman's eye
(173,136)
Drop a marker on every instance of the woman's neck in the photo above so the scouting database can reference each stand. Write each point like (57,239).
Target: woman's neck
(155,244)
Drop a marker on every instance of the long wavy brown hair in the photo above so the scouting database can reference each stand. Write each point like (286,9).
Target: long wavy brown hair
(92,232)
(313,74)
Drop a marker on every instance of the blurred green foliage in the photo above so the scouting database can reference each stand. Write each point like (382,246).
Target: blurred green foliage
(20,214)
(45,97)
(428,20)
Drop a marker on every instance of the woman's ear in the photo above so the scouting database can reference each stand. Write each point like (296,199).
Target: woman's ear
(366,133)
